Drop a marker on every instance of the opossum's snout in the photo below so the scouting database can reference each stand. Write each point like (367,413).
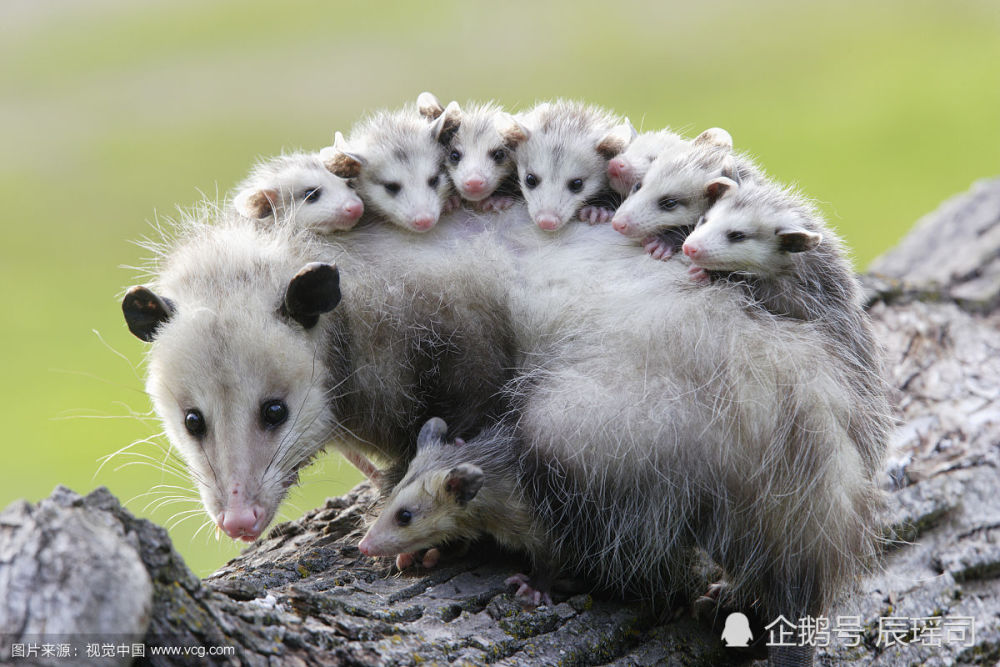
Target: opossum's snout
(623,224)
(692,250)
(422,222)
(352,210)
(242,522)
(473,186)
(621,175)
(548,221)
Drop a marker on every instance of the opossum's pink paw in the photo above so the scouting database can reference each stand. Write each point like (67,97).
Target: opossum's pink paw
(699,275)
(496,203)
(717,597)
(431,558)
(526,593)
(661,250)
(650,243)
(596,214)
(404,561)
(452,203)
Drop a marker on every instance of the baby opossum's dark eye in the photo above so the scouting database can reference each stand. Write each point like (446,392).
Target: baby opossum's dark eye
(636,187)
(499,155)
(194,422)
(313,195)
(393,188)
(403,517)
(669,203)
(531,181)
(273,413)
(455,157)
(575,185)
(736,236)
(434,180)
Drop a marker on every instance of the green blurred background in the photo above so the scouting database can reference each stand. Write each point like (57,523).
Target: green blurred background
(115,112)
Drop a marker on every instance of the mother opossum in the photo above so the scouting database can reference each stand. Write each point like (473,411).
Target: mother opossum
(653,412)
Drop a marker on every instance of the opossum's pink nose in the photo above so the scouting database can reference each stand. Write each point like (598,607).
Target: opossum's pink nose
(618,168)
(242,523)
(474,185)
(365,546)
(423,222)
(620,223)
(353,209)
(691,250)
(548,221)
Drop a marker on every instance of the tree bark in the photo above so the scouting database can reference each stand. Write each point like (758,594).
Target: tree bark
(73,566)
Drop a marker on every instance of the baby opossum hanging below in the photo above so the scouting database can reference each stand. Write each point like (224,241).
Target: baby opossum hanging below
(479,143)
(562,162)
(300,188)
(395,162)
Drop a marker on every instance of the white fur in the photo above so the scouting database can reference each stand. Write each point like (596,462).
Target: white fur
(639,155)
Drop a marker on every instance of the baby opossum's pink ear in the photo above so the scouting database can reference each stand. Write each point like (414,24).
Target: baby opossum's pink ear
(463,482)
(256,203)
(339,160)
(714,136)
(428,105)
(432,432)
(313,291)
(145,312)
(720,187)
(514,133)
(797,240)
(447,124)
(615,141)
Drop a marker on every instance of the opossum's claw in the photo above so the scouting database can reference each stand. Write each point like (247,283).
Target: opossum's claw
(699,275)
(404,561)
(526,593)
(496,203)
(659,249)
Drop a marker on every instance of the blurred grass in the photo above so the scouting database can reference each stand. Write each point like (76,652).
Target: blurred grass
(114,112)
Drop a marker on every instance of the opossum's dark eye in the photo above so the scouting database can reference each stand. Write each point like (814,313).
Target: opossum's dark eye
(393,188)
(434,180)
(404,517)
(736,236)
(455,157)
(575,185)
(313,195)
(669,203)
(273,413)
(194,423)
(499,155)
(531,181)
(636,187)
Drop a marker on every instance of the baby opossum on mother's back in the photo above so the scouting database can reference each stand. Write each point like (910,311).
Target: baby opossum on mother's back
(631,165)
(479,143)
(562,163)
(299,187)
(771,243)
(395,162)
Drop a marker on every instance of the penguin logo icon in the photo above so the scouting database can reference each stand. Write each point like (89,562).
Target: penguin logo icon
(737,632)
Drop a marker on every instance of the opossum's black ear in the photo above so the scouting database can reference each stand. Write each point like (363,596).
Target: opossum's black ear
(720,187)
(313,291)
(447,124)
(256,203)
(714,136)
(615,141)
(797,240)
(463,482)
(428,105)
(432,432)
(514,134)
(339,160)
(145,312)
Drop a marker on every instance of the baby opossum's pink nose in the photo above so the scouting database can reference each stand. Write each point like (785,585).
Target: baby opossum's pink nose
(242,523)
(423,222)
(474,185)
(620,223)
(365,546)
(353,209)
(691,250)
(618,168)
(548,221)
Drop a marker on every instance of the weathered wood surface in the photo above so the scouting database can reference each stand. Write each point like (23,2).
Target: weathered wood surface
(305,595)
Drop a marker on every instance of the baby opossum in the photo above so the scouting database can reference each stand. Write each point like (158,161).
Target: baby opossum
(631,165)
(256,363)
(479,144)
(456,492)
(771,243)
(678,188)
(396,163)
(562,162)
(299,187)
